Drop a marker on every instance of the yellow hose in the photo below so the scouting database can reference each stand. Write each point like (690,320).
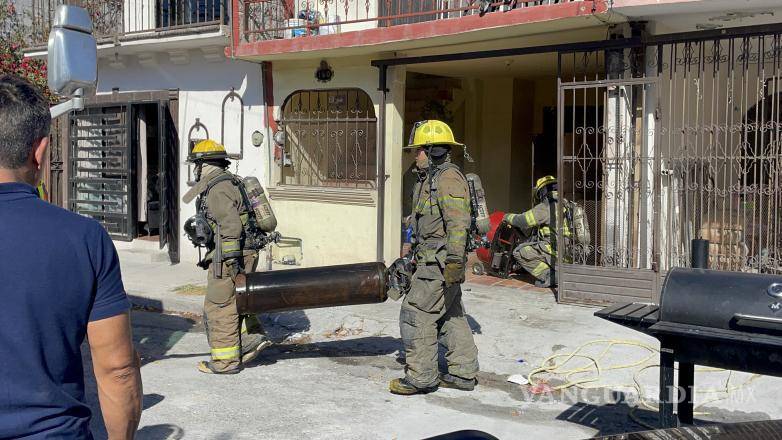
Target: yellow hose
(551,367)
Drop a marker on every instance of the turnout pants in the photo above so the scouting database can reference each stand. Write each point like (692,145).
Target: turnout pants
(535,258)
(430,312)
(224,326)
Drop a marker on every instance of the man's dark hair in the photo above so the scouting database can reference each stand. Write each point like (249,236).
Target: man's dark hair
(24,119)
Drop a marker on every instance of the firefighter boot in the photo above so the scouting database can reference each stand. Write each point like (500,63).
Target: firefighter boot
(545,280)
(457,383)
(208,367)
(404,388)
(252,345)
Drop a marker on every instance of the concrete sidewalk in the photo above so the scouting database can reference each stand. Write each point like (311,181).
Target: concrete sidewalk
(328,375)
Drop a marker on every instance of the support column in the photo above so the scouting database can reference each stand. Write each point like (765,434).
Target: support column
(394,137)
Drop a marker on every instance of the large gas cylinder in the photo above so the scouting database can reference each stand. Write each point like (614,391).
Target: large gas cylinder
(311,288)
(267,221)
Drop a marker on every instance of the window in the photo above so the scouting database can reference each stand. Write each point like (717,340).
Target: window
(331,139)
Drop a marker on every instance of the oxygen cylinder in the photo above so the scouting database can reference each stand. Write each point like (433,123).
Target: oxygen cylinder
(260,203)
(478,202)
(311,288)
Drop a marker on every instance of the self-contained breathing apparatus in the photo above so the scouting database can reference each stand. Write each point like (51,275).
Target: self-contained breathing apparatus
(258,226)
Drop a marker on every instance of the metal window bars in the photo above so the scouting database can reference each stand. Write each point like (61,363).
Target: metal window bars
(665,143)
(114,19)
(331,139)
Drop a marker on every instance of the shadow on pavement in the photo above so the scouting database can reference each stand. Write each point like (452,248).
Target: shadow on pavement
(370,346)
(608,419)
(153,335)
(475,326)
(280,326)
(611,415)
(160,432)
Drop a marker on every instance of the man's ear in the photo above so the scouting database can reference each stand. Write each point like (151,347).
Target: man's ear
(39,151)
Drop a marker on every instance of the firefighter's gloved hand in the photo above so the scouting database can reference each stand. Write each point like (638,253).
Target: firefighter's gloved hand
(454,273)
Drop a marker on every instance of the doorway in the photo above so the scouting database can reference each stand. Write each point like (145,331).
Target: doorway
(503,109)
(146,143)
(122,167)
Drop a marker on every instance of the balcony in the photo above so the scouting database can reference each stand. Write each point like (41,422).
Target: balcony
(262,20)
(122,20)
(296,29)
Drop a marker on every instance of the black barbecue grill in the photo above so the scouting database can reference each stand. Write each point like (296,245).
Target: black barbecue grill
(714,318)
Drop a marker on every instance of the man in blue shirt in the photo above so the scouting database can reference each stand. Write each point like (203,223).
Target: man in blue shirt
(59,281)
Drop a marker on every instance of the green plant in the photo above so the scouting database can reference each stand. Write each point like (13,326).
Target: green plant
(13,32)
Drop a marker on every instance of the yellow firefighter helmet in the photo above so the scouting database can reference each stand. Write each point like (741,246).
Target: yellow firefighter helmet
(207,149)
(430,133)
(541,185)
(544,181)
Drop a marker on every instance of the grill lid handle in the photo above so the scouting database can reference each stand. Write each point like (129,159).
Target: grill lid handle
(756,321)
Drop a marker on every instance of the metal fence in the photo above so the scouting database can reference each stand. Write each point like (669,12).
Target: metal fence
(113,19)
(663,143)
(277,19)
(721,151)
(331,139)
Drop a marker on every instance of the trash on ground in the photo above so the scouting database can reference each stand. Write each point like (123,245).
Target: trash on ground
(518,379)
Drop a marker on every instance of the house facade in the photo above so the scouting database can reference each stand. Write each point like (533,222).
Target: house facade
(660,117)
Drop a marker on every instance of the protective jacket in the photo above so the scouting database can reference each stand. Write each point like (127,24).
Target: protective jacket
(441,216)
(536,222)
(220,200)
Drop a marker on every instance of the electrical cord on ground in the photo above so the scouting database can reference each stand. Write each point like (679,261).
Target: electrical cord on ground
(551,367)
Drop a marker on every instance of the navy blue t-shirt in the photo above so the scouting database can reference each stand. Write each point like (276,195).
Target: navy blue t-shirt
(58,271)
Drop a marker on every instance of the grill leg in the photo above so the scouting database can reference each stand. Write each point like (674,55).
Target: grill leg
(667,419)
(686,385)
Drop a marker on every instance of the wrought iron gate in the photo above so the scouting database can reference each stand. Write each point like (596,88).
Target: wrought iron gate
(607,167)
(101,168)
(663,143)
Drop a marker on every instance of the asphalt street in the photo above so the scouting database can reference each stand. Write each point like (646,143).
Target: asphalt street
(327,377)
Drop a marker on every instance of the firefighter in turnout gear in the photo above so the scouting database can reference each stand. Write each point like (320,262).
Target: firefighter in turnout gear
(537,254)
(234,340)
(433,307)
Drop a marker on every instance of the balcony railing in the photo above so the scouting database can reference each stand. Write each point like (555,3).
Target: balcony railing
(115,19)
(277,19)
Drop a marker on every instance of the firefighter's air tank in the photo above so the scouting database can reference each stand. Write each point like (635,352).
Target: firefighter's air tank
(264,214)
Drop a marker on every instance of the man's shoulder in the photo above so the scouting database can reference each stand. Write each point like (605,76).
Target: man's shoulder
(64,221)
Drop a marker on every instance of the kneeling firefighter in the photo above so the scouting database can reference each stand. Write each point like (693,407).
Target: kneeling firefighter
(232,231)
(433,307)
(537,254)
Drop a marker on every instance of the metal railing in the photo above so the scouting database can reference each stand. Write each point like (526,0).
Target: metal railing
(114,19)
(278,19)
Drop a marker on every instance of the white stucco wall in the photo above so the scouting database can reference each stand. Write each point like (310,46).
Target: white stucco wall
(202,86)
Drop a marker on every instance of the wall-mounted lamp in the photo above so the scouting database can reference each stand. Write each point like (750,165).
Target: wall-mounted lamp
(279,138)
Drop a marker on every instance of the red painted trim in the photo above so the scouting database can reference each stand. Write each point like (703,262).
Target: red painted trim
(235,28)
(431,29)
(268,92)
